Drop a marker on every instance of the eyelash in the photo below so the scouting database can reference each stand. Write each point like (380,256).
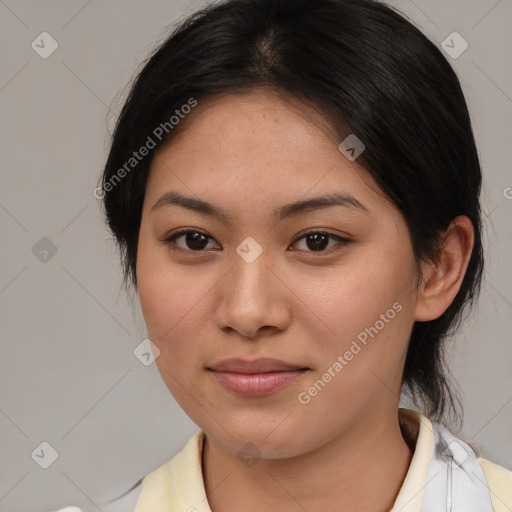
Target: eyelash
(170,241)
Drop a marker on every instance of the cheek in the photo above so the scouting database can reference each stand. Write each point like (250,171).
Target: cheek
(174,303)
(170,295)
(342,301)
(366,310)
(167,303)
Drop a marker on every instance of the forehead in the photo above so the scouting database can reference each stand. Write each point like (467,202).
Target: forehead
(255,150)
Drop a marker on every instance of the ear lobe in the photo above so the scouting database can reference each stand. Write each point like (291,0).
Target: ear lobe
(443,278)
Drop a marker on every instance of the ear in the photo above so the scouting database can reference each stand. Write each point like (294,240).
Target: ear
(442,279)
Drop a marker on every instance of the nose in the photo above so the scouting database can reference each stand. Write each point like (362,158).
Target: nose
(253,300)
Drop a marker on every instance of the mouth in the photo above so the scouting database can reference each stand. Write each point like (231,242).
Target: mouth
(256,378)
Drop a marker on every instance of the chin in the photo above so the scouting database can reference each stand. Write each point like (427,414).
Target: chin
(258,441)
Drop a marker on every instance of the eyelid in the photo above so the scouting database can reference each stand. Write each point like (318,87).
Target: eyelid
(324,231)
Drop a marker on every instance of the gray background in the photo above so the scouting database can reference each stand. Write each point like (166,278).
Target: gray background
(68,375)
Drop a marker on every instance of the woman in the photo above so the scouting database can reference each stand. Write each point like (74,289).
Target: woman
(294,186)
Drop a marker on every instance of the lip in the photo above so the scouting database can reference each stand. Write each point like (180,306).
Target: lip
(258,377)
(261,365)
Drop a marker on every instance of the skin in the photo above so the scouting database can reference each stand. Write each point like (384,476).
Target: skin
(251,154)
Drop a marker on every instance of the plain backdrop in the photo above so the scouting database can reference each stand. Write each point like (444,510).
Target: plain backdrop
(68,374)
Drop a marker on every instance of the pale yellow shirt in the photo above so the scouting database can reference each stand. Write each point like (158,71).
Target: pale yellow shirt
(178,486)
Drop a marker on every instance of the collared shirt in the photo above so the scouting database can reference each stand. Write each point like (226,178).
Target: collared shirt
(445,475)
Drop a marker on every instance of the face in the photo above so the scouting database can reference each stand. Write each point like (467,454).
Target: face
(329,291)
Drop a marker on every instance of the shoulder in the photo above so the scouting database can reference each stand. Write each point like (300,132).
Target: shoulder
(127,502)
(499,480)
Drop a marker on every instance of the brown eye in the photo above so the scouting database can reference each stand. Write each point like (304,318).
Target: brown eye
(318,241)
(193,241)
(314,241)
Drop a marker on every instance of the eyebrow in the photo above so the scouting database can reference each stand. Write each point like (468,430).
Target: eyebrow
(283,212)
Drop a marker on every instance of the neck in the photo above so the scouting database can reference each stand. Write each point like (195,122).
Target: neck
(360,469)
